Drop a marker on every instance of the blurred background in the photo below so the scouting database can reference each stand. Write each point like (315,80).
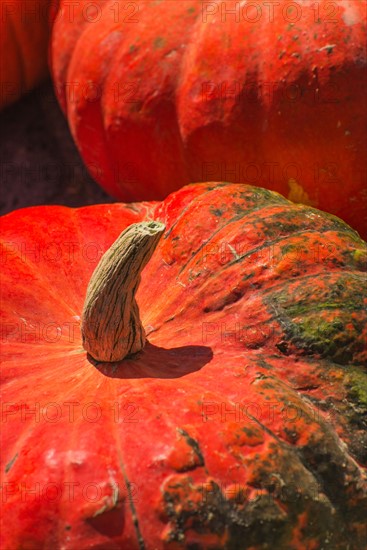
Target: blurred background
(39,162)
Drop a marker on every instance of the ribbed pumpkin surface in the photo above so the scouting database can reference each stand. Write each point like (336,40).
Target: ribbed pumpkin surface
(242,422)
(272,94)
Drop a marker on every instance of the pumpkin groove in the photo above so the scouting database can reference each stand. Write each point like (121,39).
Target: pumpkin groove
(237,426)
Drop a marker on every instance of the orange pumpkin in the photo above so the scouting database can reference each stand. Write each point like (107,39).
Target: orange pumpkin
(242,422)
(160,94)
(24,32)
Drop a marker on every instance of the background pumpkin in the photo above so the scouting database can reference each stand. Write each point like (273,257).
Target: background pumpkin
(275,98)
(24,34)
(242,422)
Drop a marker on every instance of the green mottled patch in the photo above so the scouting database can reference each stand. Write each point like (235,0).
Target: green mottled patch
(272,197)
(159,42)
(357,385)
(132,48)
(360,258)
(191,10)
(327,318)
(325,338)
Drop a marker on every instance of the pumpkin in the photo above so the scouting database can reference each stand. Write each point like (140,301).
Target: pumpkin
(232,415)
(271,95)
(24,33)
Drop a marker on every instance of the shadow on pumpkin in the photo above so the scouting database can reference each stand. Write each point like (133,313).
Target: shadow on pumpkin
(156,362)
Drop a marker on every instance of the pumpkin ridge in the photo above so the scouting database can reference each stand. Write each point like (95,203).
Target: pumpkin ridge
(24,377)
(105,120)
(127,61)
(297,454)
(81,106)
(235,219)
(322,339)
(43,280)
(305,451)
(267,293)
(258,248)
(206,189)
(262,246)
(344,404)
(83,21)
(304,223)
(308,276)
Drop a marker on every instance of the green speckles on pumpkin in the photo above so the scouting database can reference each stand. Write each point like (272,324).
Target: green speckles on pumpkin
(357,384)
(194,445)
(216,212)
(132,48)
(325,316)
(191,10)
(359,257)
(159,42)
(321,336)
(295,251)
(332,222)
(208,509)
(261,197)
(10,463)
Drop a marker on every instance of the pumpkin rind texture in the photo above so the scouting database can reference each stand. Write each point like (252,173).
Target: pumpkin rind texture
(241,424)
(269,96)
(24,35)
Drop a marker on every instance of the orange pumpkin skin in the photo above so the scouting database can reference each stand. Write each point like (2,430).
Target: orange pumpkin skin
(24,34)
(161,94)
(241,423)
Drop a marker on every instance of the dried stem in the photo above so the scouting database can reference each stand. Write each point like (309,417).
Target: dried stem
(111,326)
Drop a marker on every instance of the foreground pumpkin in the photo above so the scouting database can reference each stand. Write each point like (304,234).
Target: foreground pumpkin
(24,33)
(240,423)
(271,94)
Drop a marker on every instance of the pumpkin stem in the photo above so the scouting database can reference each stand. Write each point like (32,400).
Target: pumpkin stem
(111,326)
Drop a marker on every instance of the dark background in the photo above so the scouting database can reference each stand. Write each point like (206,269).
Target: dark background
(38,159)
